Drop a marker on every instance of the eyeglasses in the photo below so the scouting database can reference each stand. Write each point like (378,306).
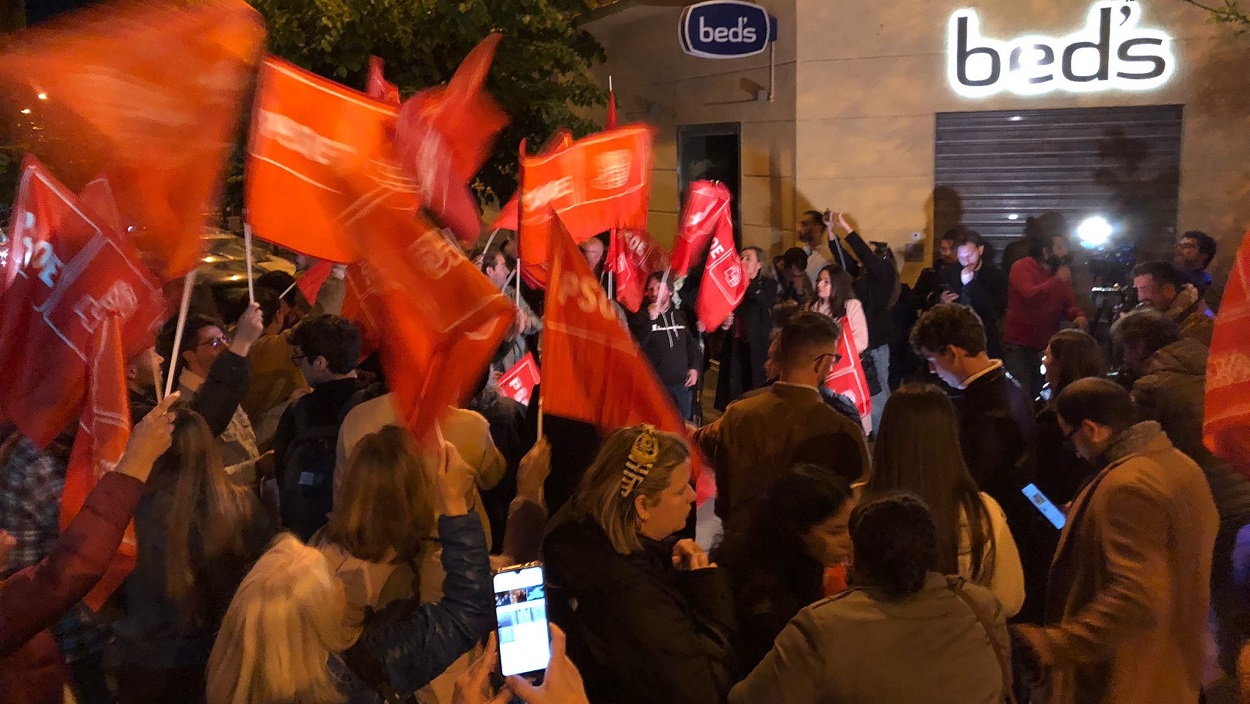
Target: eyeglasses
(216,342)
(836,358)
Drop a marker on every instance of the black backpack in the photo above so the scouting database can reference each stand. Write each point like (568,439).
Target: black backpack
(307,479)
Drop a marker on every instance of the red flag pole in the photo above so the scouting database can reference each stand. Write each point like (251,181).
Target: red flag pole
(188,283)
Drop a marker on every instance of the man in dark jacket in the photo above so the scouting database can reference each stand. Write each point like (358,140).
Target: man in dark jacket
(326,348)
(664,333)
(1170,387)
(972,282)
(877,287)
(996,430)
(787,424)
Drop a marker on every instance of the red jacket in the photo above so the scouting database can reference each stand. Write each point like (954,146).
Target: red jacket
(1036,301)
(32,670)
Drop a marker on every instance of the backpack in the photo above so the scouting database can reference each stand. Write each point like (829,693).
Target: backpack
(307,479)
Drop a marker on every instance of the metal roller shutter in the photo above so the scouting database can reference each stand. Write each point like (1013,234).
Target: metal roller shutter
(995,169)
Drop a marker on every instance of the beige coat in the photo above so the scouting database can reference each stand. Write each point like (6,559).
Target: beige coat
(1130,582)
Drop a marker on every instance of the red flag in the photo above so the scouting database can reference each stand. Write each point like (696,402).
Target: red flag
(377,87)
(593,370)
(1226,423)
(103,432)
(632,256)
(444,320)
(306,133)
(66,287)
(518,382)
(848,379)
(611,123)
(723,284)
(509,216)
(704,204)
(598,184)
(147,93)
(310,283)
(358,285)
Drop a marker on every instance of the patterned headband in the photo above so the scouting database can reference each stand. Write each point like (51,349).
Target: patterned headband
(642,457)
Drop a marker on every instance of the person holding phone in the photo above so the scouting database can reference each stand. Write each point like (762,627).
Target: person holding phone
(649,618)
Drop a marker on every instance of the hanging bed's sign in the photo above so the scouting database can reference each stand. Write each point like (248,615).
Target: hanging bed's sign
(1111,52)
(726,29)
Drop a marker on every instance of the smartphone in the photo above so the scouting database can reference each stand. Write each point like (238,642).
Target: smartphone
(521,615)
(1044,506)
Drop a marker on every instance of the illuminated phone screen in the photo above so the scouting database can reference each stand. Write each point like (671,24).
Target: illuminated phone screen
(1044,505)
(521,612)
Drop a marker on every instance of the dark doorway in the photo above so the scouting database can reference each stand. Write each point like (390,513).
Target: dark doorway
(712,152)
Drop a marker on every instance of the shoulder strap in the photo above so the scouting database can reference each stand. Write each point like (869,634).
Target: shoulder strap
(956,585)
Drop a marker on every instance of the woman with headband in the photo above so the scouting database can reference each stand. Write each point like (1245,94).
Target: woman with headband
(649,618)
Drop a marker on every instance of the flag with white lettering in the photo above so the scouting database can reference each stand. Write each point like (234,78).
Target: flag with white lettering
(71,277)
(723,284)
(147,94)
(847,378)
(705,204)
(518,382)
(1226,422)
(599,183)
(632,257)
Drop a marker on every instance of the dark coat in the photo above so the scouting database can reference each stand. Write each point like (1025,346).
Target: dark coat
(876,288)
(1060,471)
(746,343)
(31,668)
(986,294)
(640,630)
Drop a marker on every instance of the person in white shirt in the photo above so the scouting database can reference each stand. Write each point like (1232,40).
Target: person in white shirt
(918,451)
(813,238)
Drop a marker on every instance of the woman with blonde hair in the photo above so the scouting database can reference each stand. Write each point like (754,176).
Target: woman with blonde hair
(918,451)
(287,636)
(198,534)
(648,617)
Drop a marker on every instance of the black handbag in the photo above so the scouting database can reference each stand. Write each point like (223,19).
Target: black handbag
(870,373)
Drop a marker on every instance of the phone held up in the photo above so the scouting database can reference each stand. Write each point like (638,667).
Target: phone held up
(521,617)
(1045,506)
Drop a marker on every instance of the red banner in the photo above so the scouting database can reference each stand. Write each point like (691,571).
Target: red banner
(443,318)
(1226,424)
(723,284)
(632,256)
(518,382)
(598,184)
(593,370)
(848,379)
(705,204)
(103,433)
(66,286)
(377,87)
(148,94)
(310,282)
(443,137)
(307,132)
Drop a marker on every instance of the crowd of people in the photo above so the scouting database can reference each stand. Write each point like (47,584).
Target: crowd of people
(296,544)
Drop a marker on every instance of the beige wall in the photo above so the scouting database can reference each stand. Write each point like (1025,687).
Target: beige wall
(859,83)
(871,77)
(649,69)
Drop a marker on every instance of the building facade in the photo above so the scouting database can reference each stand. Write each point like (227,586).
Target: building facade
(914,115)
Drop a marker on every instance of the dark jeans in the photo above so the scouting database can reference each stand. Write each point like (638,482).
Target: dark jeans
(1025,365)
(140,685)
(684,398)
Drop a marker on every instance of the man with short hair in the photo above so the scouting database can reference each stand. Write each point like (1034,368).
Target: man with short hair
(1039,297)
(787,424)
(1192,255)
(669,341)
(813,237)
(500,269)
(326,349)
(593,250)
(1166,289)
(1126,608)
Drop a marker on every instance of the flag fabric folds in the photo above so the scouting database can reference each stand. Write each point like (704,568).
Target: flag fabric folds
(705,204)
(599,183)
(146,94)
(377,87)
(723,284)
(1226,422)
(593,370)
(632,256)
(518,382)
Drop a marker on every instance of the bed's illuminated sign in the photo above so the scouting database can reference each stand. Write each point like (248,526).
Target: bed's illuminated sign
(1111,52)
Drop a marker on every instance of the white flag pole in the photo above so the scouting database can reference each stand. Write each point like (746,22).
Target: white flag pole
(156,373)
(490,240)
(247,245)
(188,284)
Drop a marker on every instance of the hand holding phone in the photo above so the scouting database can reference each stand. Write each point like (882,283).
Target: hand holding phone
(521,615)
(563,684)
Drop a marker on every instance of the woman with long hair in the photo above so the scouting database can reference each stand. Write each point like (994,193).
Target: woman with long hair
(1070,355)
(777,554)
(198,533)
(835,298)
(649,618)
(918,451)
(287,636)
(903,634)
